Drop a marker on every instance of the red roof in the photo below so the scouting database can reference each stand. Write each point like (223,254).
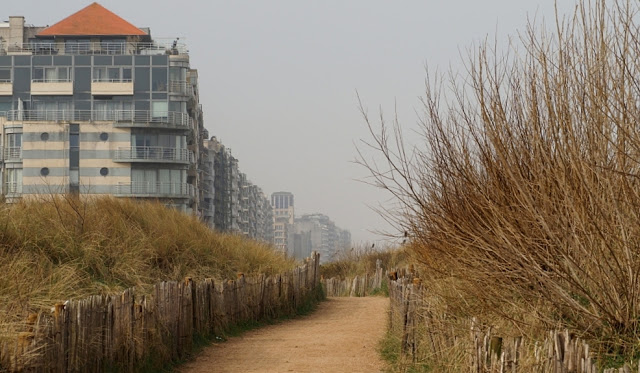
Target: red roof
(94,20)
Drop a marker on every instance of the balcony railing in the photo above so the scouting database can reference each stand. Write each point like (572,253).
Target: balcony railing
(153,154)
(13,153)
(178,86)
(158,46)
(12,187)
(155,190)
(143,118)
(51,80)
(153,119)
(101,80)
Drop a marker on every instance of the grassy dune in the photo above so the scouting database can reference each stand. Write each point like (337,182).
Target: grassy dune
(362,260)
(63,248)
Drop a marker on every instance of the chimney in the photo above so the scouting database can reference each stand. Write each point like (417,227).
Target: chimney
(16,30)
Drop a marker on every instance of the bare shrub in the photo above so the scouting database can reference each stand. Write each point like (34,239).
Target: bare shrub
(524,196)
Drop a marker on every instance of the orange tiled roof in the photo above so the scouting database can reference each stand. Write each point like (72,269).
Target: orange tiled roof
(93,20)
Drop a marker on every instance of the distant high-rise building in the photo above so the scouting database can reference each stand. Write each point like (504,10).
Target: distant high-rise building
(344,239)
(283,217)
(316,232)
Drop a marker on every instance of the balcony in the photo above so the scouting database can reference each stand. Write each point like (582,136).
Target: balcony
(179,86)
(121,118)
(51,87)
(13,154)
(12,188)
(156,47)
(112,87)
(145,189)
(153,154)
(143,118)
(6,88)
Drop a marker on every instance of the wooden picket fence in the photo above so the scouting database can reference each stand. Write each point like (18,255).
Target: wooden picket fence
(358,286)
(126,331)
(424,332)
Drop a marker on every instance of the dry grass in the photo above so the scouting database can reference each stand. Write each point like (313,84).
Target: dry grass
(348,263)
(63,248)
(523,200)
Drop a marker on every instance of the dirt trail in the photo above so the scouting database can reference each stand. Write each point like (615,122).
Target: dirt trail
(340,336)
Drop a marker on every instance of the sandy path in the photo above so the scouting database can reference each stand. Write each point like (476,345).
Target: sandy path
(340,336)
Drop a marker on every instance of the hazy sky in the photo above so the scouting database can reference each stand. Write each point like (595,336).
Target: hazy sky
(278,79)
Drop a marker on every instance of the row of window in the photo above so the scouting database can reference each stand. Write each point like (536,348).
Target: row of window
(14,140)
(154,179)
(101,74)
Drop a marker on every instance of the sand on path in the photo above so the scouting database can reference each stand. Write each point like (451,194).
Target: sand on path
(341,335)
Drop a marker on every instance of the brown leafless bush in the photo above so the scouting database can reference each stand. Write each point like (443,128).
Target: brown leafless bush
(523,195)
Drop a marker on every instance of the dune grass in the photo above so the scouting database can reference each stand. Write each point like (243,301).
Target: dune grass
(348,263)
(62,248)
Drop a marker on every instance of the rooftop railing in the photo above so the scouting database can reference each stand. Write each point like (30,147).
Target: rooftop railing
(153,154)
(156,47)
(143,118)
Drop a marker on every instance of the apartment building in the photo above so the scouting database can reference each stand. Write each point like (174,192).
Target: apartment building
(223,186)
(283,217)
(239,206)
(95,105)
(256,219)
(316,232)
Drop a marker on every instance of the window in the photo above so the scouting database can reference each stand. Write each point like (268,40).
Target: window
(113,46)
(44,136)
(5,75)
(42,46)
(13,149)
(158,139)
(177,73)
(164,181)
(112,74)
(159,79)
(104,136)
(74,158)
(104,171)
(14,180)
(52,74)
(78,46)
(109,109)
(44,171)
(159,109)
(14,140)
(51,110)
